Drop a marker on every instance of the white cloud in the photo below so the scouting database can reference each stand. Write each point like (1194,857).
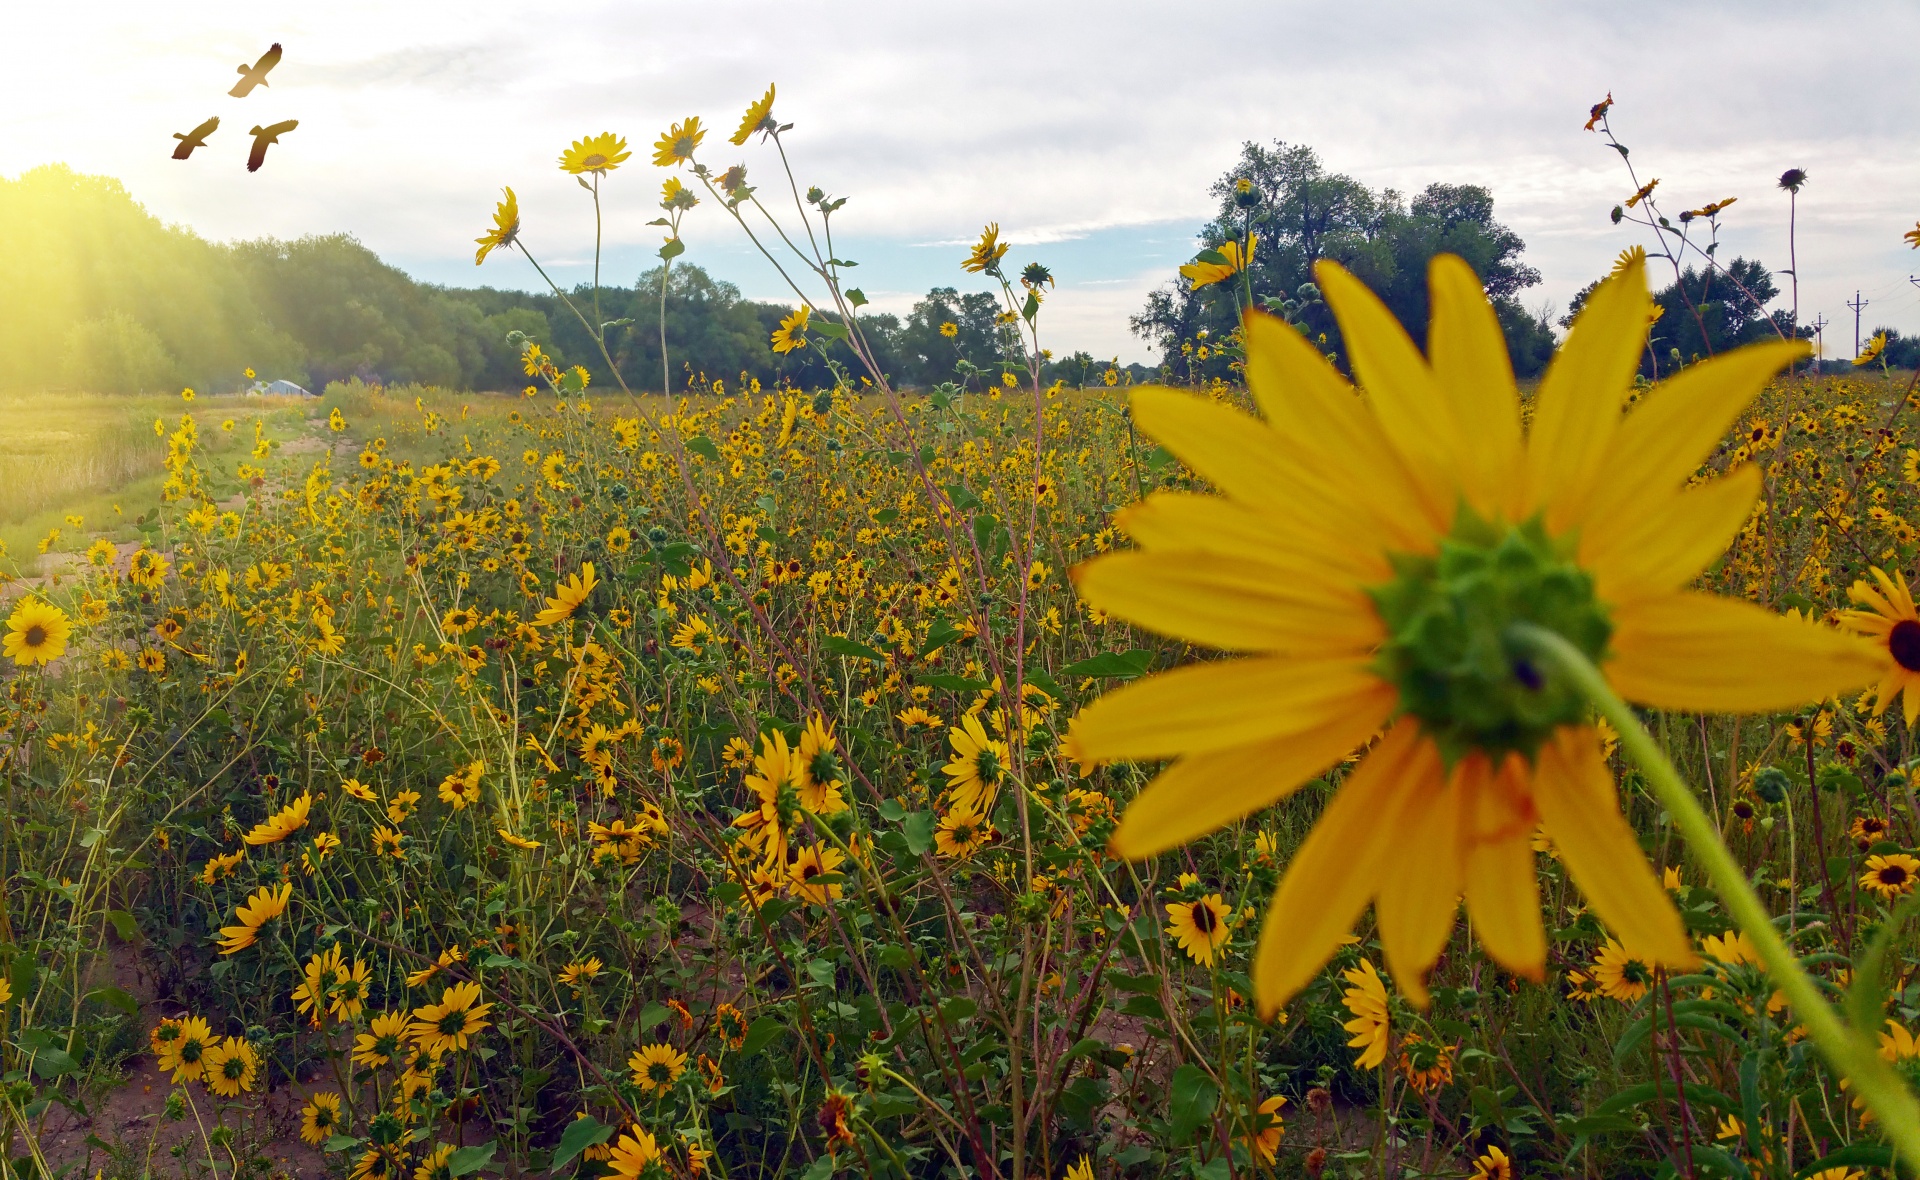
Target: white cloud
(1085,130)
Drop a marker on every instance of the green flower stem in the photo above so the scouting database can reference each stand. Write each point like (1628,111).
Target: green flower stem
(1851,1051)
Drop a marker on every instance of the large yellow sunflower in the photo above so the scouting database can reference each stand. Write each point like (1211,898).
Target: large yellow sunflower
(1372,555)
(656,1067)
(449,1024)
(1200,926)
(233,1066)
(282,823)
(568,594)
(792,332)
(598,154)
(1204,274)
(759,117)
(36,633)
(506,227)
(320,1118)
(1366,998)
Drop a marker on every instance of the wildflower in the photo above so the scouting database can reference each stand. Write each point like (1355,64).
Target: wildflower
(676,145)
(320,1118)
(350,988)
(819,769)
(835,1110)
(146,568)
(359,790)
(151,661)
(577,974)
(567,597)
(1205,274)
(598,154)
(731,1024)
(379,1163)
(461,789)
(36,633)
(384,1040)
(633,1153)
(1619,975)
(262,907)
(1868,830)
(1264,1139)
(986,253)
(1912,236)
(949,329)
(619,539)
(520,842)
(814,861)
(219,868)
(1374,518)
(185,1055)
(506,227)
(436,1164)
(978,766)
(792,332)
(1599,110)
(1892,620)
(1367,1000)
(1492,1164)
(282,823)
(1891,875)
(233,1065)
(1872,351)
(1792,179)
(656,1067)
(1081,1171)
(1200,927)
(449,1024)
(402,806)
(1425,1064)
(387,842)
(1646,190)
(961,833)
(310,998)
(759,117)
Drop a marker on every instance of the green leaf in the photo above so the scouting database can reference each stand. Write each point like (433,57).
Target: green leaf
(653,1014)
(856,296)
(470,1159)
(891,810)
(124,925)
(940,636)
(918,829)
(760,1034)
(580,1134)
(958,1008)
(822,1168)
(830,330)
(841,646)
(340,1143)
(1191,1099)
(703,446)
(1853,1155)
(1121,665)
(672,250)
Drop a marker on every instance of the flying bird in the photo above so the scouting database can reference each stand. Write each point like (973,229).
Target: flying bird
(262,136)
(193,139)
(256,74)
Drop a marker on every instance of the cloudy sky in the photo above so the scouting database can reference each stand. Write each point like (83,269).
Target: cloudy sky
(1089,131)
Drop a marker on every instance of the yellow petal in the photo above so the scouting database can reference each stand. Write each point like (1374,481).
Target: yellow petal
(1335,434)
(1420,886)
(1468,353)
(1668,546)
(1420,422)
(1716,655)
(1213,706)
(1229,603)
(1502,894)
(1574,791)
(1336,870)
(1289,542)
(1674,429)
(1577,409)
(1203,792)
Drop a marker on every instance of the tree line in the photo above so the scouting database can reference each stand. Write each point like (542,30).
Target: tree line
(103,297)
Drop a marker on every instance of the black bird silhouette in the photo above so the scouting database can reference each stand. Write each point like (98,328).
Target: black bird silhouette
(256,74)
(193,139)
(262,136)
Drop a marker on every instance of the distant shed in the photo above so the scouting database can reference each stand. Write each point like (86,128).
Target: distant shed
(285,389)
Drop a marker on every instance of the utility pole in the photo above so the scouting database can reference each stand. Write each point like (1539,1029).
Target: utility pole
(1856,305)
(1819,342)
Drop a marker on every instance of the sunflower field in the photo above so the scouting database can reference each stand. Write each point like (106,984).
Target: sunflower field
(1279,777)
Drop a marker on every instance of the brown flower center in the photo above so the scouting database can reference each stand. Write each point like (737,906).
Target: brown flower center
(1203,918)
(1893,876)
(1904,643)
(36,635)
